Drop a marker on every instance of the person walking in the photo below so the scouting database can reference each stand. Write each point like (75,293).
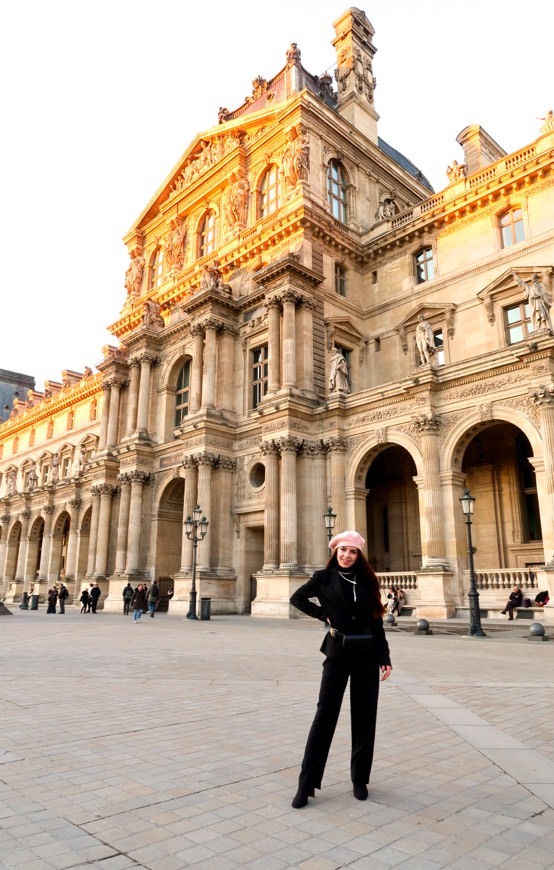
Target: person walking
(153,597)
(128,593)
(138,602)
(355,649)
(62,595)
(84,599)
(95,594)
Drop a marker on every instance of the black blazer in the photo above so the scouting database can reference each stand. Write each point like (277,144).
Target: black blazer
(338,608)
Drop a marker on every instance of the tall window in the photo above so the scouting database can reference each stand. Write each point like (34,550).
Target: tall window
(517,321)
(155,275)
(269,192)
(424,265)
(511,227)
(66,467)
(340,279)
(182,393)
(337,190)
(260,366)
(206,234)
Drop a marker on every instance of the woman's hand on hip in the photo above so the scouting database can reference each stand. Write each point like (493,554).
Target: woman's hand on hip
(385,671)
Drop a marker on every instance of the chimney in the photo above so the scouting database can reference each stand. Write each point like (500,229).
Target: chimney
(480,149)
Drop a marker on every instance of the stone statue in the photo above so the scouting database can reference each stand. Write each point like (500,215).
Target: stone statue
(133,275)
(222,114)
(87,372)
(425,340)
(296,157)
(548,125)
(338,373)
(151,314)
(293,54)
(456,171)
(32,477)
(325,82)
(174,253)
(236,200)
(11,482)
(387,209)
(540,302)
(212,278)
(55,468)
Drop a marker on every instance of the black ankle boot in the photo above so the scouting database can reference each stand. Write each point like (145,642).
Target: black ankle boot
(360,792)
(300,799)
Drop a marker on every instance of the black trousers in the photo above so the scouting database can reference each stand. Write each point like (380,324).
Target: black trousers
(364,694)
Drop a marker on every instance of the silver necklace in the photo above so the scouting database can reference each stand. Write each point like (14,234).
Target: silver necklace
(353,582)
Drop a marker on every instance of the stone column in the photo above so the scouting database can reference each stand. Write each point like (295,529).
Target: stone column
(115,387)
(103,439)
(5,522)
(138,480)
(433,550)
(101,561)
(206,462)
(133,397)
(123,523)
(189,503)
(336,448)
(71,557)
(226,368)
(312,505)
(306,345)
(223,539)
(543,399)
(25,516)
(146,362)
(274,345)
(270,453)
(210,361)
(197,332)
(93,536)
(289,339)
(48,510)
(289,448)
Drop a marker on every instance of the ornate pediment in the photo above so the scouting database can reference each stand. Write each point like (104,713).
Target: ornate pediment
(434,312)
(506,286)
(344,331)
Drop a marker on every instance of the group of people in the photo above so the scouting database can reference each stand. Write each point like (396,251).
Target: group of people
(516,599)
(396,599)
(89,598)
(143,599)
(57,596)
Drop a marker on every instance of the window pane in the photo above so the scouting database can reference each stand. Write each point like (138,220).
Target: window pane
(516,334)
(513,314)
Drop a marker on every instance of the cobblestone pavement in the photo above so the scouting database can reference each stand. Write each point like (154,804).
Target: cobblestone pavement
(174,744)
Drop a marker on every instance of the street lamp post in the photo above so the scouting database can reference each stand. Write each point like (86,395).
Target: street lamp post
(475,630)
(329,519)
(192,524)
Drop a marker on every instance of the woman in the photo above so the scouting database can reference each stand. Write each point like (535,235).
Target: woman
(355,647)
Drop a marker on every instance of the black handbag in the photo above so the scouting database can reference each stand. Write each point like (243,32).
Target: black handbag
(357,643)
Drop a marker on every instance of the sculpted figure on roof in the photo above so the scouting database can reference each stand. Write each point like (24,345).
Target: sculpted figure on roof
(296,157)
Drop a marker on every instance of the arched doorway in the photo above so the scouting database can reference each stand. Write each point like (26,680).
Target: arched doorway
(500,474)
(169,534)
(392,512)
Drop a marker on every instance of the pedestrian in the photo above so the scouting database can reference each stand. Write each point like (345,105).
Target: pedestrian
(52,598)
(355,648)
(153,597)
(515,599)
(95,594)
(84,599)
(89,603)
(128,592)
(392,600)
(138,602)
(62,595)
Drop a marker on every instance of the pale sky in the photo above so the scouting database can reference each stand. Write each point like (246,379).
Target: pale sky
(100,99)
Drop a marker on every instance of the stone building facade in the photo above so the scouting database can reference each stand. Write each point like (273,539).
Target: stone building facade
(307,324)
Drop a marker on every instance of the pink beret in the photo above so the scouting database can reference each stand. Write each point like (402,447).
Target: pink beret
(347,539)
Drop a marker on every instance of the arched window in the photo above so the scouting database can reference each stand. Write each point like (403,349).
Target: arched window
(424,265)
(511,227)
(206,234)
(269,192)
(182,393)
(156,268)
(337,190)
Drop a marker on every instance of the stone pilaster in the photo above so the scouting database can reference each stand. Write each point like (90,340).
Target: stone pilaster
(226,368)
(25,516)
(543,399)
(103,439)
(210,363)
(197,333)
(102,544)
(44,567)
(189,503)
(274,345)
(433,548)
(312,506)
(289,299)
(93,535)
(223,544)
(306,345)
(288,447)
(336,449)
(4,526)
(132,405)
(146,363)
(270,453)
(113,418)
(206,462)
(71,557)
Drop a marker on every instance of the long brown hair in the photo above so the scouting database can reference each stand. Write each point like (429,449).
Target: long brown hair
(364,572)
